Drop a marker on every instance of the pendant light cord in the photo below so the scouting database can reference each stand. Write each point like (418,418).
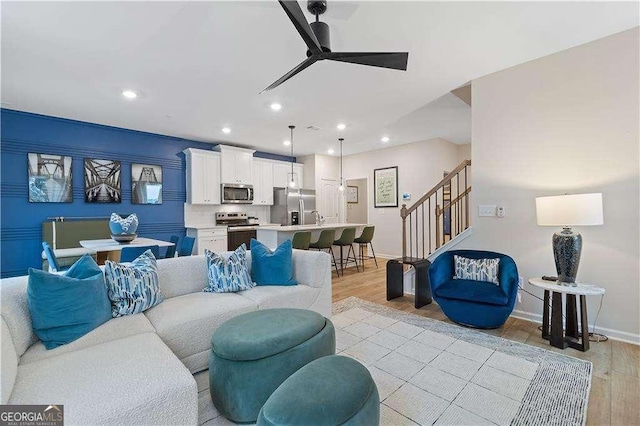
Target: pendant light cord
(292,127)
(341,177)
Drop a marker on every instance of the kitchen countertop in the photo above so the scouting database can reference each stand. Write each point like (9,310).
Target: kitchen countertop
(204,226)
(295,228)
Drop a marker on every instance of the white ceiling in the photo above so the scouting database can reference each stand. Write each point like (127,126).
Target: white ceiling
(199,66)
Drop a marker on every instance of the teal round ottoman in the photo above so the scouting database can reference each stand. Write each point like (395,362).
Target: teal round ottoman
(330,391)
(252,354)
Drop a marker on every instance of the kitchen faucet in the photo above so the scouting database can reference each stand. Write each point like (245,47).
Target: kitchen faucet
(319,218)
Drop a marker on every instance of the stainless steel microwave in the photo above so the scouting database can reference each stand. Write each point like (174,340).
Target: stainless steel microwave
(234,193)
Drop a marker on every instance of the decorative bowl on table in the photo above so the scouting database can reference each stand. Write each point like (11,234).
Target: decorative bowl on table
(123,230)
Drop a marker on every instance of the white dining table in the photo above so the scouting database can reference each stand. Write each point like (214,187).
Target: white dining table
(110,249)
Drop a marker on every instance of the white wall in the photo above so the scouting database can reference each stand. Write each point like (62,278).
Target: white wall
(420,167)
(565,123)
(464,152)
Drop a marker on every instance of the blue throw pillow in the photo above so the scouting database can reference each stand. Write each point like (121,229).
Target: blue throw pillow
(66,307)
(133,288)
(228,275)
(272,268)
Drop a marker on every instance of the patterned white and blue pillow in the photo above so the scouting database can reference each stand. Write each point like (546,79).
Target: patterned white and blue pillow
(476,269)
(228,275)
(133,288)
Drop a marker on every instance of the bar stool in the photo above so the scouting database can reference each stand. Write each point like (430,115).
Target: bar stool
(346,240)
(365,238)
(301,240)
(325,241)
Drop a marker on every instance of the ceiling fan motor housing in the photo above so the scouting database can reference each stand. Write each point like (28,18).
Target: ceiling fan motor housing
(321,30)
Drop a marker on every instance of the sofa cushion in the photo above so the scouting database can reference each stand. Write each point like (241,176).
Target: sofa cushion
(114,329)
(186,323)
(15,311)
(133,288)
(182,275)
(230,274)
(473,291)
(9,362)
(66,307)
(134,380)
(296,296)
(272,267)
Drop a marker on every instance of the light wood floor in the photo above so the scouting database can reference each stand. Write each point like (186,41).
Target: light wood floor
(615,387)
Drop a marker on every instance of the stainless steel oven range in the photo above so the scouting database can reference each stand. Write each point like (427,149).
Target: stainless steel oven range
(239,228)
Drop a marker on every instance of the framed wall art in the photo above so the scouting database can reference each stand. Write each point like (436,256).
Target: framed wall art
(102,181)
(146,184)
(50,178)
(352,194)
(385,184)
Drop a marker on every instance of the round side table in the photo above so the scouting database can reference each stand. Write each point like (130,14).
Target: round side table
(558,336)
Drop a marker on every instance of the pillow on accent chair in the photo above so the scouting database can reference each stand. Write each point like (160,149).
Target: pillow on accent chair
(228,275)
(476,269)
(133,288)
(66,307)
(272,268)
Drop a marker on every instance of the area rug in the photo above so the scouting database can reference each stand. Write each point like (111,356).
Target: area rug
(430,372)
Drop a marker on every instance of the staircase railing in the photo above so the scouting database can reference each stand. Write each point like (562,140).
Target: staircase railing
(438,216)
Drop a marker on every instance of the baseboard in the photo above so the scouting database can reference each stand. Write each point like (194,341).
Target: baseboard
(622,336)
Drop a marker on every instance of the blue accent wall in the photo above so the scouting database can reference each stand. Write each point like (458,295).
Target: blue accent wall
(21,221)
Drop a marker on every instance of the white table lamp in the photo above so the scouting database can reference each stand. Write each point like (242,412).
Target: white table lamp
(567,211)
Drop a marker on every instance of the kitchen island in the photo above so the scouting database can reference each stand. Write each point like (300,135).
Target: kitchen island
(273,236)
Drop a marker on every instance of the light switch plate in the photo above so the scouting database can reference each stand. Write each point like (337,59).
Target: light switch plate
(486,211)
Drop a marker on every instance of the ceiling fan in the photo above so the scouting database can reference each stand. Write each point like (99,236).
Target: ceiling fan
(317,38)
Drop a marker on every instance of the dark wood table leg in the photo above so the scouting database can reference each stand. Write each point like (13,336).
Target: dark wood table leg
(581,342)
(557,332)
(395,279)
(572,317)
(546,333)
(423,286)
(585,323)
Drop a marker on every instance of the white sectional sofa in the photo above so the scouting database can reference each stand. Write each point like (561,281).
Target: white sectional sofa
(138,369)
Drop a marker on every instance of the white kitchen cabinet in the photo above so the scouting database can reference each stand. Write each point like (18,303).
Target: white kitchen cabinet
(213,239)
(262,183)
(203,176)
(236,165)
(282,174)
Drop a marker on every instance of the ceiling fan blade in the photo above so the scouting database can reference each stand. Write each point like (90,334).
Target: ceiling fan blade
(302,65)
(393,60)
(294,12)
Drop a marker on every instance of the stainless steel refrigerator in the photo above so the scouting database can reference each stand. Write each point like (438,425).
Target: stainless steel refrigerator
(291,203)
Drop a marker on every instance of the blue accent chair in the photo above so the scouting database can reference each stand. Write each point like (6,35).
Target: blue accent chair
(54,266)
(474,303)
(171,250)
(130,253)
(186,249)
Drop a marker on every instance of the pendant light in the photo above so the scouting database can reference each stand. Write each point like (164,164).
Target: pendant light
(291,176)
(341,187)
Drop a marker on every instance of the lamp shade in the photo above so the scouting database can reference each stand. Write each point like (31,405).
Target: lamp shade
(570,210)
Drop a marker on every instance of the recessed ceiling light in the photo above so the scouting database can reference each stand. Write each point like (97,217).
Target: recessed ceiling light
(129,94)
(330,151)
(226,130)
(276,106)
(385,139)
(286,143)
(341,126)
